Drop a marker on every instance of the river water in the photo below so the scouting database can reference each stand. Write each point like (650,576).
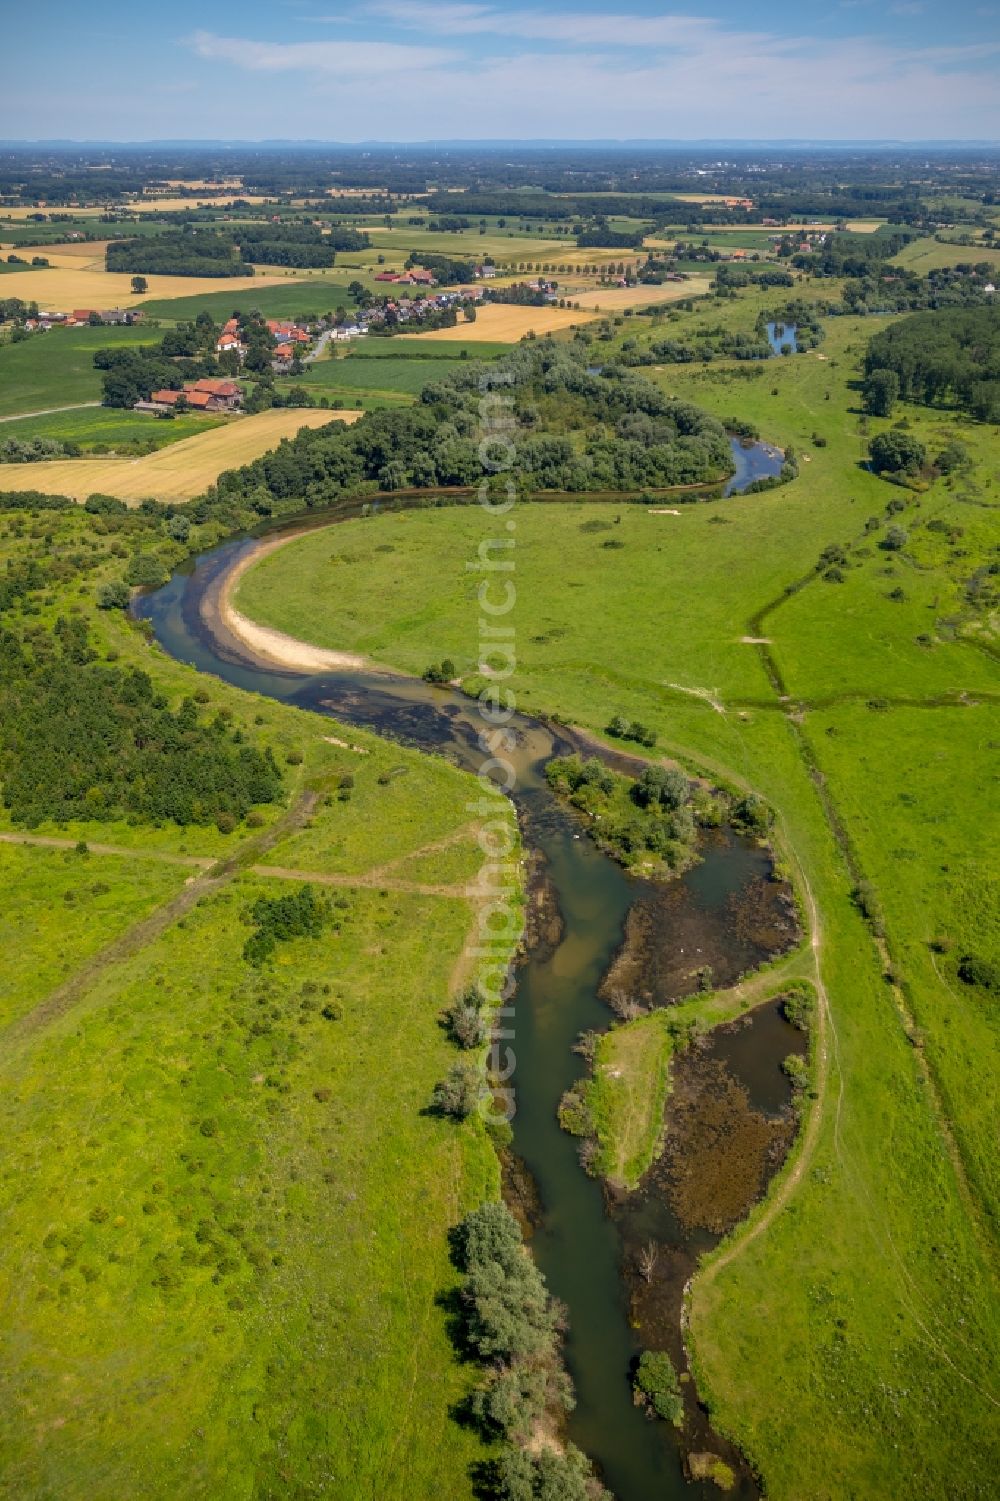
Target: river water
(580,1246)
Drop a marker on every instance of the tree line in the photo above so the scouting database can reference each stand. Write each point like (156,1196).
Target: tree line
(81,739)
(948,356)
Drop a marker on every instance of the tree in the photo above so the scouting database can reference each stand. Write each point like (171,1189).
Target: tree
(139,284)
(881,392)
(897,452)
(660,784)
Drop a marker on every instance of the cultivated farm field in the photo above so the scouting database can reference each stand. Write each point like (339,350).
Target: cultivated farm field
(178,472)
(499,322)
(615,299)
(110,427)
(64,287)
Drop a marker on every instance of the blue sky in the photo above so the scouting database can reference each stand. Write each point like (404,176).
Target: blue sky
(405,70)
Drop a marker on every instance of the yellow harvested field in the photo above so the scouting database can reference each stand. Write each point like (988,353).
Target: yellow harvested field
(219,185)
(705,198)
(73,252)
(613,299)
(177,472)
(507,323)
(17,214)
(178,205)
(73,284)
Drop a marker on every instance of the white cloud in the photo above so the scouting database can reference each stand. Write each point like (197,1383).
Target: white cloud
(568,28)
(547,75)
(368,59)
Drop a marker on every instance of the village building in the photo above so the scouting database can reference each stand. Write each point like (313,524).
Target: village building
(207,395)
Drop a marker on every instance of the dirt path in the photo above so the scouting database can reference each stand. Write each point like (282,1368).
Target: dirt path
(43,841)
(78,406)
(458,836)
(149,928)
(367,878)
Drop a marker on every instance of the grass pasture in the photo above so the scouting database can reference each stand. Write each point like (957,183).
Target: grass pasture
(273,1257)
(110,427)
(61,908)
(274,300)
(378,376)
(56,369)
(177,472)
(926,255)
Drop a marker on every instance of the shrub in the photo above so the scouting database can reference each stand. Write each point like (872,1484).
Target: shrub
(974,970)
(465,1020)
(440,672)
(113,596)
(300,914)
(657,1387)
(459,1093)
(798,1008)
(796,1070)
(752,814)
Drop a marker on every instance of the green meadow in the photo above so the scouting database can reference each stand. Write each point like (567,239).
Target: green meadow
(62,906)
(264,1227)
(864,1315)
(56,369)
(357,372)
(932,254)
(313,295)
(242,1206)
(108,427)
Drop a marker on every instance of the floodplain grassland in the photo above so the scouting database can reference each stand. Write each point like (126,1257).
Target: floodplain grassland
(226,1193)
(268,1224)
(177,472)
(858,1304)
(61,906)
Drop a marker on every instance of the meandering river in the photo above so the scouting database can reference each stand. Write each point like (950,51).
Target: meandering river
(584,1240)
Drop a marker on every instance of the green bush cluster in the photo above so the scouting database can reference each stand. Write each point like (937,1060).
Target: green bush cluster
(657,1386)
(279,919)
(634,819)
